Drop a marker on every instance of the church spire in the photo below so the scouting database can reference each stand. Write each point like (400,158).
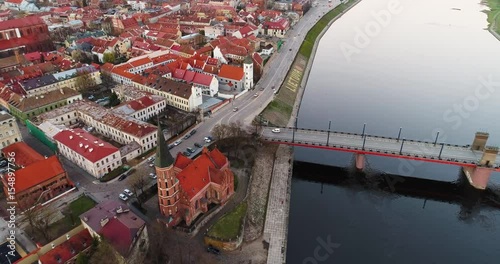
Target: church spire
(163,157)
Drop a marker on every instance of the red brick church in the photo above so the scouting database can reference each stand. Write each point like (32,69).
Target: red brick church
(186,187)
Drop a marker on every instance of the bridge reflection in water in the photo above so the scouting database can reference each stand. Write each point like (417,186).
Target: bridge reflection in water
(388,186)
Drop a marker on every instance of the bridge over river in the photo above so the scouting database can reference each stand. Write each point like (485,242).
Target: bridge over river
(478,160)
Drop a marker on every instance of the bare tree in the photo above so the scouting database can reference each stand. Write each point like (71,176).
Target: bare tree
(104,254)
(39,218)
(137,182)
(158,248)
(84,81)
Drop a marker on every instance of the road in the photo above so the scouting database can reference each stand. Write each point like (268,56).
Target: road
(460,154)
(249,106)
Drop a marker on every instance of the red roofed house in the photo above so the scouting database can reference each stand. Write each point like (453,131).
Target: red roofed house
(68,251)
(113,221)
(186,187)
(38,180)
(276,28)
(92,154)
(233,76)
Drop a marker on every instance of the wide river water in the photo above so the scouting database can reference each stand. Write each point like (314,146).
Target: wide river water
(429,66)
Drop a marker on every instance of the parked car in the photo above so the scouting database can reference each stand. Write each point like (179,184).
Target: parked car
(213,250)
(153,176)
(255,95)
(128,192)
(208,139)
(262,88)
(152,158)
(235,109)
(91,97)
(3,163)
(123,197)
(276,130)
(186,153)
(151,165)
(192,132)
(198,145)
(122,177)
(190,150)
(178,142)
(186,136)
(171,146)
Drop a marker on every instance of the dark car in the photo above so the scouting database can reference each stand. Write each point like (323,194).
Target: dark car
(192,132)
(190,150)
(213,250)
(198,145)
(186,153)
(187,136)
(122,177)
(171,146)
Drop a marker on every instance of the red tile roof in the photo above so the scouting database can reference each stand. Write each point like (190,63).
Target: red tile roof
(24,154)
(38,172)
(203,79)
(21,22)
(68,249)
(85,144)
(140,62)
(197,174)
(141,103)
(231,72)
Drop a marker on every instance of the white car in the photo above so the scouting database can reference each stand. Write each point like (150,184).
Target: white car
(176,143)
(207,140)
(255,95)
(276,130)
(123,197)
(151,158)
(128,192)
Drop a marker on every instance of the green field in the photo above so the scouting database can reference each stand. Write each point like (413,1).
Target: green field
(229,226)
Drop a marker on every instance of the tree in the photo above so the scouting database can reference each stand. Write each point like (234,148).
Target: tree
(82,258)
(77,55)
(84,81)
(108,57)
(137,182)
(157,251)
(39,219)
(104,253)
(113,100)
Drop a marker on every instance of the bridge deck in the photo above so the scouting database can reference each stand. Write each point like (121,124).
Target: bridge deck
(382,146)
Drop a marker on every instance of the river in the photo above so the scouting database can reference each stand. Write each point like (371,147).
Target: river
(425,66)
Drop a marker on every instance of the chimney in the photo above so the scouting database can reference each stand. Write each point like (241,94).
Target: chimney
(104,221)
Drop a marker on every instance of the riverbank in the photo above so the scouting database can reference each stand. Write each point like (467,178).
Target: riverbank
(281,109)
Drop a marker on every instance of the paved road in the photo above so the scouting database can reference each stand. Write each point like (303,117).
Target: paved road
(377,145)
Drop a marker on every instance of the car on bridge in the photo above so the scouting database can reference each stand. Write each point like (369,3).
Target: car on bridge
(276,130)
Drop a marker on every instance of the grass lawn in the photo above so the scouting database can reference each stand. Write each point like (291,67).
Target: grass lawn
(308,44)
(71,216)
(229,226)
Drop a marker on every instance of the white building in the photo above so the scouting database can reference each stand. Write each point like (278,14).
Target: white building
(214,31)
(248,69)
(9,131)
(232,77)
(142,108)
(88,152)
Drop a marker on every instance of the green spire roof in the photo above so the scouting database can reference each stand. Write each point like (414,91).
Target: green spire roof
(163,157)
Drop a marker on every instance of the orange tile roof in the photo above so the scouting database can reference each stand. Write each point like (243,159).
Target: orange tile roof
(231,72)
(38,172)
(68,249)
(24,154)
(140,62)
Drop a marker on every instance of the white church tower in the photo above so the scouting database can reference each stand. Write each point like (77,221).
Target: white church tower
(248,69)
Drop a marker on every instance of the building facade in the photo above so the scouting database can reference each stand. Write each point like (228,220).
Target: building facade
(38,178)
(9,131)
(95,156)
